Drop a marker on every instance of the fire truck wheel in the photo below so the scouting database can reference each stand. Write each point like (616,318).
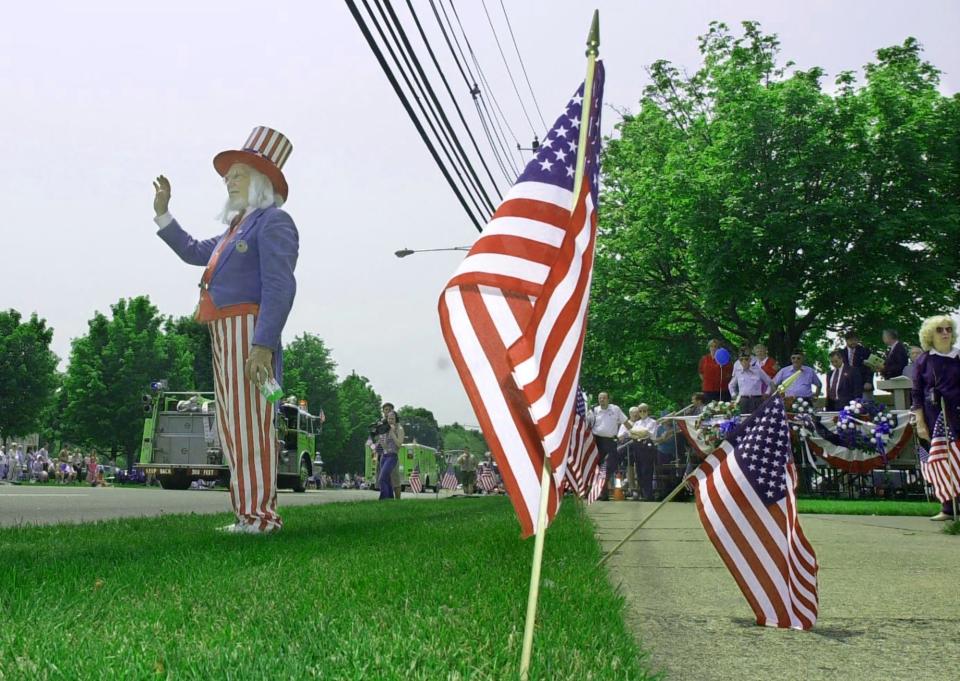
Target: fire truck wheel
(303,477)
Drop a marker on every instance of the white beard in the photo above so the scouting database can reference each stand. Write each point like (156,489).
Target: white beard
(233,206)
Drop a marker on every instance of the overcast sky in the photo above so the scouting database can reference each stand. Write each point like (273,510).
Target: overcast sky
(101,96)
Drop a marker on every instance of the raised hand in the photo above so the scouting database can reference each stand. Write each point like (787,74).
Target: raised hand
(161,198)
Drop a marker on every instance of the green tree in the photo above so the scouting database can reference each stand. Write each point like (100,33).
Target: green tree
(27,372)
(744,202)
(359,407)
(455,436)
(309,373)
(420,424)
(110,369)
(196,337)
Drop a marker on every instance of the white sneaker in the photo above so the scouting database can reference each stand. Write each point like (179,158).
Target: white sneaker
(941,516)
(243,528)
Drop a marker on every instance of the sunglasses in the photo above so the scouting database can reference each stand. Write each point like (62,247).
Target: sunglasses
(944,329)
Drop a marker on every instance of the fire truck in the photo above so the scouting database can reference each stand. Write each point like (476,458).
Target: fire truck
(409,457)
(181,443)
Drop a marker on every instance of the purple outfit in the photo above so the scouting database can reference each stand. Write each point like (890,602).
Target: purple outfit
(938,376)
(257,269)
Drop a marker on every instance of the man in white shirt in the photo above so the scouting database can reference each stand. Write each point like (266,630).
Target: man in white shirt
(644,430)
(607,419)
(749,384)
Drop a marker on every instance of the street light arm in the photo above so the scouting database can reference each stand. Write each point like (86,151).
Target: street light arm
(403,253)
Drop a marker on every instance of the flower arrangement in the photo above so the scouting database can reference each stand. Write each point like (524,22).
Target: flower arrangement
(717,420)
(867,425)
(863,425)
(803,422)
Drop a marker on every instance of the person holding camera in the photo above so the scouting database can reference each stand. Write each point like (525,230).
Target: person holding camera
(389,438)
(376,431)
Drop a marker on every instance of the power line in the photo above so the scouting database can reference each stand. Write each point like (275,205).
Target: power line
(483,78)
(433,103)
(506,65)
(443,78)
(496,152)
(409,109)
(522,67)
(471,82)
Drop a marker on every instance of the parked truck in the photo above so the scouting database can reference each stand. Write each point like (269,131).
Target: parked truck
(181,442)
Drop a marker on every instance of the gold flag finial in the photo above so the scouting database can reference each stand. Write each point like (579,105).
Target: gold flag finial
(593,38)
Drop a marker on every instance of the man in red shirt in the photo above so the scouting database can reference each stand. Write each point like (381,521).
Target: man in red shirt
(714,378)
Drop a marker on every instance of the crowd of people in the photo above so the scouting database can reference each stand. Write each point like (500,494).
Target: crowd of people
(38,465)
(632,445)
(850,374)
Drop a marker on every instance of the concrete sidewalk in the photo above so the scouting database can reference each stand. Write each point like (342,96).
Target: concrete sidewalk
(889,599)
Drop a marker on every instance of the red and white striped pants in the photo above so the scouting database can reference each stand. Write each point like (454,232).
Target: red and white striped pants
(245,423)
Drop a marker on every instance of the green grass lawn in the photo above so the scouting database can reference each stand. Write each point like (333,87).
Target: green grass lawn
(410,590)
(867,507)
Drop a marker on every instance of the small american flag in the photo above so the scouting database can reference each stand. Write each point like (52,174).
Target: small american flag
(449,479)
(598,485)
(514,314)
(583,457)
(745,497)
(486,479)
(416,484)
(941,465)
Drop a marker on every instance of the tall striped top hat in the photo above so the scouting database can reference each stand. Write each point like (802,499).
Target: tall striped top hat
(265,150)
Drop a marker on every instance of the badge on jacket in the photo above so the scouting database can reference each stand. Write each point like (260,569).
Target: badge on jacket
(241,246)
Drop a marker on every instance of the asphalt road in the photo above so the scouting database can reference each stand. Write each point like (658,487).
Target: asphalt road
(888,600)
(49,504)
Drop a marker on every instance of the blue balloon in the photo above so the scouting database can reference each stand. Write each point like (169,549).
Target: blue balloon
(722,357)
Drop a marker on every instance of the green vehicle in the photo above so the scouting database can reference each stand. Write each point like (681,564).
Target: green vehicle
(181,442)
(409,457)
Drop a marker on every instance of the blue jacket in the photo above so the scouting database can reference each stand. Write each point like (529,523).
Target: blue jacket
(257,268)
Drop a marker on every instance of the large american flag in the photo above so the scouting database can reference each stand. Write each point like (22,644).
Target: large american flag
(416,484)
(584,457)
(514,313)
(745,497)
(941,465)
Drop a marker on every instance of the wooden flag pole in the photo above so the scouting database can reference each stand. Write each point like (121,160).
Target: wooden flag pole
(676,490)
(593,44)
(946,433)
(669,497)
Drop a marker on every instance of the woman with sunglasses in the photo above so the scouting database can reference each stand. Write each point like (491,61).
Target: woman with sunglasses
(936,382)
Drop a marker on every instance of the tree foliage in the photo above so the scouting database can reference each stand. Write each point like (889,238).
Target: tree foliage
(27,372)
(196,337)
(420,424)
(359,407)
(747,203)
(455,437)
(309,373)
(110,369)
